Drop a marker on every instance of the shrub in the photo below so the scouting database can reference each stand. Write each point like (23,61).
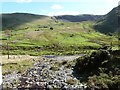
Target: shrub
(51,28)
(99,70)
(92,62)
(103,81)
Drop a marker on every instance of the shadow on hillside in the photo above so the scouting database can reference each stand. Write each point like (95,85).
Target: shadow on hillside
(11,21)
(78,18)
(110,22)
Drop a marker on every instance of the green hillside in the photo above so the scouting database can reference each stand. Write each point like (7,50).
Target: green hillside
(38,35)
(14,20)
(110,22)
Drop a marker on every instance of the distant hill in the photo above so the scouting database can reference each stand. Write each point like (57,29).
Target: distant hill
(78,18)
(110,22)
(104,23)
(15,19)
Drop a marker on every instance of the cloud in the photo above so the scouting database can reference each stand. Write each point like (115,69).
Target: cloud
(23,1)
(56,6)
(63,13)
(115,2)
(119,3)
(112,0)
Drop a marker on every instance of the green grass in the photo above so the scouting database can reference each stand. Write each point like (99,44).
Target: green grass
(68,36)
(19,67)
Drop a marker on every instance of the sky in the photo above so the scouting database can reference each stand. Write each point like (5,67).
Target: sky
(58,7)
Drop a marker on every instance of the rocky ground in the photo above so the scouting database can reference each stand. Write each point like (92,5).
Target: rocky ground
(49,73)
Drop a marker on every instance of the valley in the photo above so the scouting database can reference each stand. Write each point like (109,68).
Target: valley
(60,52)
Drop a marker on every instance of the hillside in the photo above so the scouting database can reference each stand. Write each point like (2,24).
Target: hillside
(16,19)
(47,35)
(38,34)
(78,18)
(110,22)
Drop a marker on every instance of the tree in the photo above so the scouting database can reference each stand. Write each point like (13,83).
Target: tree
(8,35)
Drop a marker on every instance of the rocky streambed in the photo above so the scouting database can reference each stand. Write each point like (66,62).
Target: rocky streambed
(48,73)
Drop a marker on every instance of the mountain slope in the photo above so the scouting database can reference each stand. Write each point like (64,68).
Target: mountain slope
(16,19)
(110,22)
(39,35)
(78,18)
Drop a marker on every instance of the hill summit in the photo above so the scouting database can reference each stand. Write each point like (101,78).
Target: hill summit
(110,22)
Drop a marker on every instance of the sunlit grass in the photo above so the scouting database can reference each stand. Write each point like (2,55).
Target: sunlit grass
(67,36)
(19,64)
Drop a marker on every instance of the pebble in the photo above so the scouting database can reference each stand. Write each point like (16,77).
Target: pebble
(40,75)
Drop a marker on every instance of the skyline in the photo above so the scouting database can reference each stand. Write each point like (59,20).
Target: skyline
(100,7)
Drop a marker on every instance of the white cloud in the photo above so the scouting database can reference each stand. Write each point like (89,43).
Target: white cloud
(113,2)
(63,13)
(56,6)
(119,3)
(23,1)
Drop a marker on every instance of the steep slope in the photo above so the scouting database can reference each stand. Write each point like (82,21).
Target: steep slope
(110,22)
(78,18)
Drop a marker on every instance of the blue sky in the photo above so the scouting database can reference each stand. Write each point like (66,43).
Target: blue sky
(96,7)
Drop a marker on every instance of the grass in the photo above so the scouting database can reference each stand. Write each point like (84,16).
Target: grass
(19,67)
(19,64)
(66,36)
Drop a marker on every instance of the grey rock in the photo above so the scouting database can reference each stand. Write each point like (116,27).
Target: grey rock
(49,87)
(40,75)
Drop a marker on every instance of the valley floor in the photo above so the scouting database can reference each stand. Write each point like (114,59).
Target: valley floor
(48,72)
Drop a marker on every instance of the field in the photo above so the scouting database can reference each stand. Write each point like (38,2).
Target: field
(17,63)
(50,36)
